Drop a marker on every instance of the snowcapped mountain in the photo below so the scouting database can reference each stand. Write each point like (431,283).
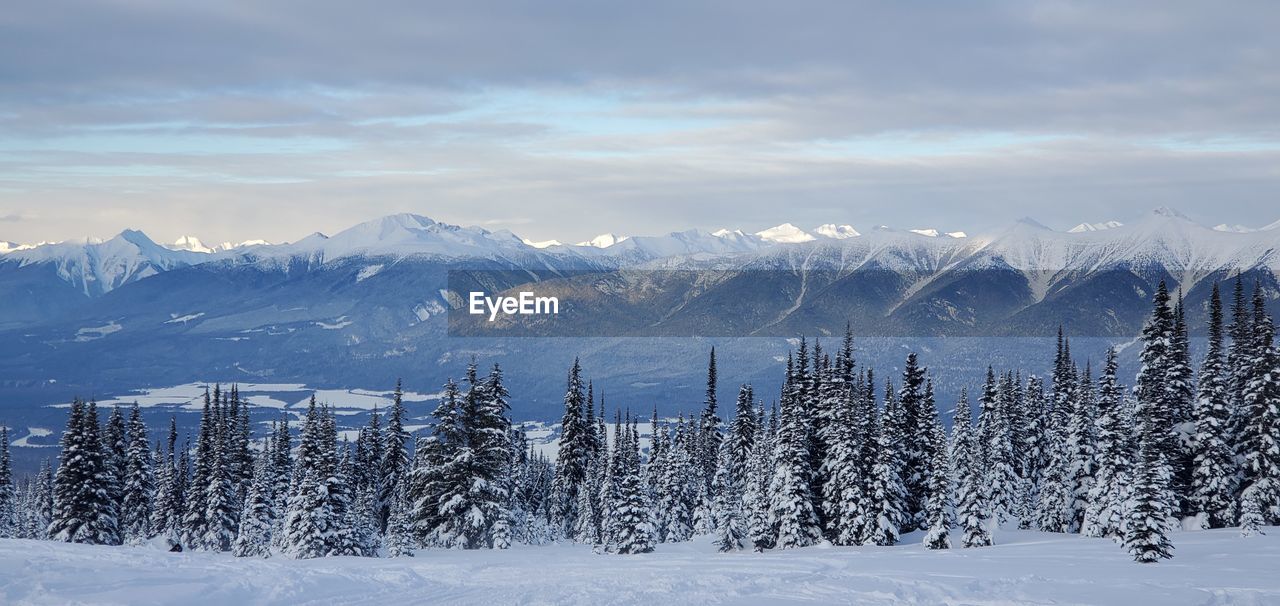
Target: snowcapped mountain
(838,232)
(785,234)
(603,241)
(97,267)
(1105,225)
(194,244)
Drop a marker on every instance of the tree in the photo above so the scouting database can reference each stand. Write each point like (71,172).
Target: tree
(630,530)
(139,482)
(1104,513)
(8,496)
(791,510)
(395,457)
(253,538)
(573,457)
(938,504)
(886,496)
(971,505)
(83,511)
(1147,523)
(1214,476)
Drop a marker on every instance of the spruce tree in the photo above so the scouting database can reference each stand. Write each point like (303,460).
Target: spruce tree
(1259,440)
(573,457)
(755,495)
(791,511)
(1213,478)
(938,505)
(886,496)
(139,482)
(971,506)
(8,496)
(253,538)
(1108,494)
(1147,522)
(395,456)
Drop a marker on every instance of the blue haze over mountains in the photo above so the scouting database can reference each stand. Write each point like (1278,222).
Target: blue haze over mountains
(368,305)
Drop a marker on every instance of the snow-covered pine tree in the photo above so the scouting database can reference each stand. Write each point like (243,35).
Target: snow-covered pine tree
(400,539)
(194,523)
(755,492)
(1259,440)
(1213,478)
(995,446)
(675,501)
(8,493)
(916,458)
(309,520)
(971,506)
(844,493)
(1147,520)
(1104,514)
(1251,518)
(709,427)
(573,458)
(1081,448)
(83,511)
(395,461)
(257,520)
(886,496)
(791,511)
(742,433)
(938,504)
(1158,394)
(115,451)
(730,524)
(629,525)
(139,482)
(221,512)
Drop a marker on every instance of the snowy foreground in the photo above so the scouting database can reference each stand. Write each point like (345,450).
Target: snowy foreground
(1214,567)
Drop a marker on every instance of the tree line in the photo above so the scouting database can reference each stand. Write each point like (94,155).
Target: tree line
(837,457)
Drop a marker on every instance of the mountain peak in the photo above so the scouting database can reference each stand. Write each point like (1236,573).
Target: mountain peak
(785,234)
(1172,213)
(603,240)
(838,232)
(1105,225)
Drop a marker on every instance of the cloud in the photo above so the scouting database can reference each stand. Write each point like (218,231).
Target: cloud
(586,117)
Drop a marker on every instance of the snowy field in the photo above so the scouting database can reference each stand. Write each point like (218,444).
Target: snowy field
(1214,567)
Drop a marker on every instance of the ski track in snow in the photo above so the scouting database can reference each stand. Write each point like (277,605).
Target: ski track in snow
(1024,567)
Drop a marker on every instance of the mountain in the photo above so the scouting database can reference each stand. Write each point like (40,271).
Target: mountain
(1105,225)
(603,241)
(839,232)
(371,303)
(785,234)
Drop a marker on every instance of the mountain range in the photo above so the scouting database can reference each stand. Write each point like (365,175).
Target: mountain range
(369,304)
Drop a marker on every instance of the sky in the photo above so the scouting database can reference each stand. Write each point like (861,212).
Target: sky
(271,120)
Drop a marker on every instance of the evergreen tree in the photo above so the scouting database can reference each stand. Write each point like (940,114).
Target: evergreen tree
(1147,523)
(573,458)
(1213,478)
(995,447)
(194,523)
(1081,446)
(1251,518)
(916,458)
(791,511)
(709,428)
(1104,513)
(938,505)
(629,526)
(83,511)
(8,497)
(253,538)
(971,506)
(1158,392)
(886,496)
(395,457)
(139,484)
(1259,440)
(755,495)
(399,527)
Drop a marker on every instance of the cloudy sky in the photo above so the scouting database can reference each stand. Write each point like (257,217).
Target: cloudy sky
(238,120)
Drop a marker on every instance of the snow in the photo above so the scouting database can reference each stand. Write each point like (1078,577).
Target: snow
(368,271)
(930,232)
(603,241)
(176,319)
(785,234)
(838,232)
(1103,226)
(96,332)
(338,324)
(1023,567)
(268,395)
(543,243)
(34,432)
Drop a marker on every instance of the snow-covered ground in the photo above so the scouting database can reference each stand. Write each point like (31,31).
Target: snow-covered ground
(1215,567)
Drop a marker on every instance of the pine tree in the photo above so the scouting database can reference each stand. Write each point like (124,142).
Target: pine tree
(1158,391)
(938,505)
(310,518)
(791,510)
(730,526)
(916,458)
(8,497)
(1258,444)
(709,428)
(139,482)
(115,447)
(971,506)
(1104,514)
(1251,518)
(395,457)
(253,538)
(83,511)
(995,446)
(1081,446)
(1213,478)
(755,495)
(573,457)
(194,524)
(399,527)
(886,496)
(1147,523)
